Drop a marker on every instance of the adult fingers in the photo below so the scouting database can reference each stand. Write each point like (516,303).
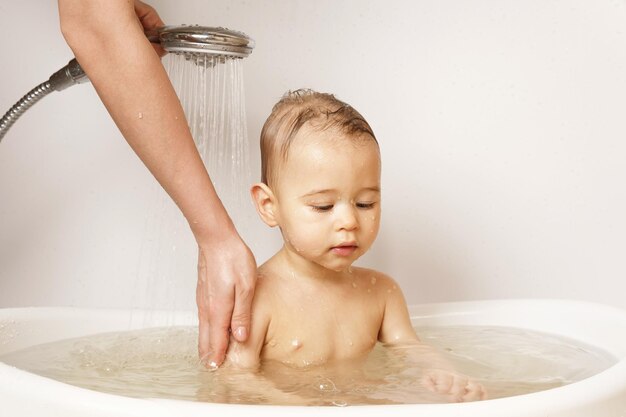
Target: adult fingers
(215,307)
(147,15)
(213,328)
(203,337)
(214,311)
(220,312)
(202,303)
(240,322)
(149,19)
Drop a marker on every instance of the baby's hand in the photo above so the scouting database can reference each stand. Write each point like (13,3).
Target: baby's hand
(458,387)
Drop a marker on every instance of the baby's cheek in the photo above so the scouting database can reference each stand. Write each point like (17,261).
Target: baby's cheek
(370,227)
(305,241)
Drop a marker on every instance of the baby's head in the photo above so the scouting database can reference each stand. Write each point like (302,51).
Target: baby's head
(320,179)
(310,111)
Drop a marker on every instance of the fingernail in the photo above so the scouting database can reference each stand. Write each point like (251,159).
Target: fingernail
(208,363)
(241,334)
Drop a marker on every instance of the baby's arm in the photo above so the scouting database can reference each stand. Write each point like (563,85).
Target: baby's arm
(439,374)
(396,327)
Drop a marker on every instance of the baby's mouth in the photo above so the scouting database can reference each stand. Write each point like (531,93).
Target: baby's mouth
(344,249)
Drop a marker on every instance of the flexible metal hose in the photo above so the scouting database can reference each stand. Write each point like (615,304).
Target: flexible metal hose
(25,103)
(67,76)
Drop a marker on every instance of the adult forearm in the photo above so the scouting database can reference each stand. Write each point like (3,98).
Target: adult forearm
(108,41)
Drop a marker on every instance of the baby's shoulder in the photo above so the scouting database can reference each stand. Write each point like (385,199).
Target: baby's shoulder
(270,287)
(373,277)
(266,284)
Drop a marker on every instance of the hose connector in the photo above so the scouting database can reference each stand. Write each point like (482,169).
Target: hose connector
(67,76)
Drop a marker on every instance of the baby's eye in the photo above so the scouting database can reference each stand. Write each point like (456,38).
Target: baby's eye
(365,205)
(322,207)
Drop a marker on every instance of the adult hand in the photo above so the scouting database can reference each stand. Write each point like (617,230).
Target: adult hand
(226,280)
(149,20)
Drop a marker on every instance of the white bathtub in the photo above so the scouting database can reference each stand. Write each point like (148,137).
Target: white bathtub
(603,395)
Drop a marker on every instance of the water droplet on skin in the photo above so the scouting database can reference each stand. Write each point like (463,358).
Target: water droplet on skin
(350,342)
(296,343)
(140,115)
(353,284)
(273,343)
(373,280)
(340,403)
(394,288)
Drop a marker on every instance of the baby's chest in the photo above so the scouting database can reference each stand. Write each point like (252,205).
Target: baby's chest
(306,338)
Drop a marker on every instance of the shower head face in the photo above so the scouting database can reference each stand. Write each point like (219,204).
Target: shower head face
(204,40)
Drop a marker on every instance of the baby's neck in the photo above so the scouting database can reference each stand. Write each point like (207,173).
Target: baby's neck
(302,268)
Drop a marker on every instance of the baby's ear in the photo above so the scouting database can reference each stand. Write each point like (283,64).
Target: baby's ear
(265,203)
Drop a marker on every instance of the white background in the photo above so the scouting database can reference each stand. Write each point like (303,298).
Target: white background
(502,126)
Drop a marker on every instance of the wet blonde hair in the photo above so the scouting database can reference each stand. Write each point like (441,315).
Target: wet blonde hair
(302,107)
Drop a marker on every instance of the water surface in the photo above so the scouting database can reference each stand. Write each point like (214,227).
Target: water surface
(162,362)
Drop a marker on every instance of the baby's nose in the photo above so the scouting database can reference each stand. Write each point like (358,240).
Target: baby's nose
(347,218)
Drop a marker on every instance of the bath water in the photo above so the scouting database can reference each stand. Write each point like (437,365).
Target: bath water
(162,362)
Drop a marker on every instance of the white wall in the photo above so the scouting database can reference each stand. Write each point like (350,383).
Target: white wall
(501,124)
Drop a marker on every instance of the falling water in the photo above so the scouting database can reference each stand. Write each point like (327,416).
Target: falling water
(211,91)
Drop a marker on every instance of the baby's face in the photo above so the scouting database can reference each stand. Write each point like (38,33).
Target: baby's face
(328,194)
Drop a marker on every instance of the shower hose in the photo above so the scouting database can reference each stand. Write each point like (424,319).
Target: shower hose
(67,76)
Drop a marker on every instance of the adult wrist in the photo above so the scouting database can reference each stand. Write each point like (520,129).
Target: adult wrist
(213,229)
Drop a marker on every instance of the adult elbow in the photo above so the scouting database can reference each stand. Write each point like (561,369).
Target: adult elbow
(82,22)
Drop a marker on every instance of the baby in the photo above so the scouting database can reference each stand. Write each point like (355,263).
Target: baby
(321,186)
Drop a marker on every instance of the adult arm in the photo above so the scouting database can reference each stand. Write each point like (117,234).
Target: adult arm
(107,38)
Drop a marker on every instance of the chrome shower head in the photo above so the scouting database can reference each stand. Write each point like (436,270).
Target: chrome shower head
(203,40)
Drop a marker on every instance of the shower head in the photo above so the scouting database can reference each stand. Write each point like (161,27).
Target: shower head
(202,40)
